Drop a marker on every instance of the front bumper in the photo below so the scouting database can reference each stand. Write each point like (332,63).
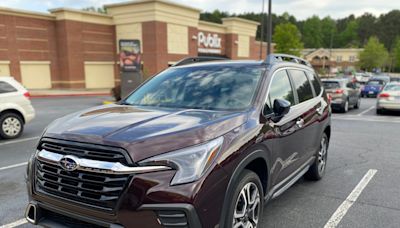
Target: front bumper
(148,201)
(152,215)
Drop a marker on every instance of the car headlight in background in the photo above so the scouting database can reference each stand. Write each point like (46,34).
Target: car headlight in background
(190,163)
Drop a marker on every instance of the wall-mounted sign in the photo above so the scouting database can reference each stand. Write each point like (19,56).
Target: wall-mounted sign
(209,43)
(129,55)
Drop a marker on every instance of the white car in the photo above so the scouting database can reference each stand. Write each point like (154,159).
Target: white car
(15,108)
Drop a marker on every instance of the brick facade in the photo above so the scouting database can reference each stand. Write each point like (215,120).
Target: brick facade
(66,40)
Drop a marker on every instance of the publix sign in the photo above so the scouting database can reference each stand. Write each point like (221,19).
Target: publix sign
(209,43)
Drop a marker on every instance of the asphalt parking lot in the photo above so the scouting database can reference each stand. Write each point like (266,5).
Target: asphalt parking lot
(361,187)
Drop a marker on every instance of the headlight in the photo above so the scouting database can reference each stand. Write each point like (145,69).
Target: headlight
(191,163)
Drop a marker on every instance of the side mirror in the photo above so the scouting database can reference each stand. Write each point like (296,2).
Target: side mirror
(281,108)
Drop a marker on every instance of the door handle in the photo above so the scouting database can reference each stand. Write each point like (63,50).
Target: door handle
(300,123)
(320,110)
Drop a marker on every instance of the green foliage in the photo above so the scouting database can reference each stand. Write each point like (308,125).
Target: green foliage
(288,39)
(396,53)
(312,32)
(96,10)
(350,31)
(374,55)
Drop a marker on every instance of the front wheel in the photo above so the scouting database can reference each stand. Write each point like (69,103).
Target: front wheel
(11,125)
(247,202)
(317,169)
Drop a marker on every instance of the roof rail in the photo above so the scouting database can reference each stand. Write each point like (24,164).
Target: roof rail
(272,58)
(191,60)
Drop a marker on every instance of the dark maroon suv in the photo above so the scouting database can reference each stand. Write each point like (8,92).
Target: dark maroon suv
(199,145)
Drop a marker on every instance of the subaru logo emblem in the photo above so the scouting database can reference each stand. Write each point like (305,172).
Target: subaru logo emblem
(69,163)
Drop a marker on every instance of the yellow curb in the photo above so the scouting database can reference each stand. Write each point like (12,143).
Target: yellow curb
(108,102)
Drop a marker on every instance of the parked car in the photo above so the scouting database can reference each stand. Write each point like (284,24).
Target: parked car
(374,86)
(389,98)
(344,94)
(198,145)
(394,79)
(15,108)
(362,77)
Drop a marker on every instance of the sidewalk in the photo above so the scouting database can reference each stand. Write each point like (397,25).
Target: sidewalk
(68,92)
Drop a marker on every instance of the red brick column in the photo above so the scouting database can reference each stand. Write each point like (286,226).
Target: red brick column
(70,53)
(155,52)
(231,46)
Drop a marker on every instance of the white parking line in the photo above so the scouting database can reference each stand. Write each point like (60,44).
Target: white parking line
(370,119)
(365,111)
(13,166)
(14,224)
(345,206)
(19,140)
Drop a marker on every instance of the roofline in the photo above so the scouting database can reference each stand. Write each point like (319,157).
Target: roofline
(149,1)
(60,9)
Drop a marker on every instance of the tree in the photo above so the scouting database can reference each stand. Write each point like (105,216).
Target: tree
(366,27)
(328,29)
(388,27)
(374,55)
(312,33)
(396,53)
(349,37)
(101,10)
(288,39)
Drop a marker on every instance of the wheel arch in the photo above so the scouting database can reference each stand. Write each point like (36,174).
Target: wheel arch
(15,111)
(255,161)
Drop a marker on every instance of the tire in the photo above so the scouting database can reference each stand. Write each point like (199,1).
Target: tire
(317,169)
(11,125)
(345,107)
(247,180)
(380,112)
(357,105)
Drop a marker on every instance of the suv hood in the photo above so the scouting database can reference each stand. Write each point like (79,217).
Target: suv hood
(144,132)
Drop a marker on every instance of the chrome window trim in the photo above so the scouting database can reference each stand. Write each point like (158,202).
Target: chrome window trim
(290,68)
(96,166)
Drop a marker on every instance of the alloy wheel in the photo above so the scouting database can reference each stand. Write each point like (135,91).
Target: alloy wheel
(322,155)
(11,126)
(247,208)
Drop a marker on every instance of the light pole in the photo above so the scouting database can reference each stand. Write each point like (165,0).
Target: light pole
(262,29)
(269,34)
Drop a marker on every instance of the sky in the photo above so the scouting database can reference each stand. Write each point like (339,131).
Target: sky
(301,9)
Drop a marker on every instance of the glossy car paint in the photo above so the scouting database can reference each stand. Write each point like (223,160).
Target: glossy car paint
(283,147)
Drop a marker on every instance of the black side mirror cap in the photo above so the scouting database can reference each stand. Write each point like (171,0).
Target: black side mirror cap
(281,108)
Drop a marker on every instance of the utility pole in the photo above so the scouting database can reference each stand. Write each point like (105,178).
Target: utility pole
(269,27)
(262,28)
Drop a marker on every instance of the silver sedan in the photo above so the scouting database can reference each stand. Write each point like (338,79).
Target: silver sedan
(389,98)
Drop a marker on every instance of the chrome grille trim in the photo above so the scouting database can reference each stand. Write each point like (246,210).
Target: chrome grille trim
(95,166)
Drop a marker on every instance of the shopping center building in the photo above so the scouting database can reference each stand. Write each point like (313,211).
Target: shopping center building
(70,48)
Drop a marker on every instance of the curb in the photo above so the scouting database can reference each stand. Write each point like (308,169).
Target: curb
(68,95)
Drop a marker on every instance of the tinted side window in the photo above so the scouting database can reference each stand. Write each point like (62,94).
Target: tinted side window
(301,85)
(280,89)
(315,82)
(6,88)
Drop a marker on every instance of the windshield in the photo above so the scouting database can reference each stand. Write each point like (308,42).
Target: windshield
(375,82)
(392,88)
(331,85)
(210,87)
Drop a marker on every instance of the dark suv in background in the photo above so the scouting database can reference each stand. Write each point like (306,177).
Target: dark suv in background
(199,145)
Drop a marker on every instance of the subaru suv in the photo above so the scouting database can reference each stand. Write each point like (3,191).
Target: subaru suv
(198,145)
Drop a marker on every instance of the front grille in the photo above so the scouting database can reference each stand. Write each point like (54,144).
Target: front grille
(81,150)
(93,189)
